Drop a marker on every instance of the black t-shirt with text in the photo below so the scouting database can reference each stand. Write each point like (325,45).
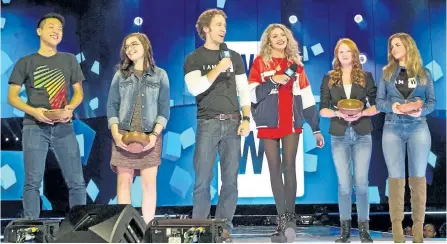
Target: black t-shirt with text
(221,97)
(46,80)
(404,84)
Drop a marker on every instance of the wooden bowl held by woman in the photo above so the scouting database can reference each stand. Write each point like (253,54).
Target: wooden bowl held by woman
(57,114)
(135,141)
(350,106)
(410,107)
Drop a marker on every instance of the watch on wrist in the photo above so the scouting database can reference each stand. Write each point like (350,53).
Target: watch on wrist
(246,118)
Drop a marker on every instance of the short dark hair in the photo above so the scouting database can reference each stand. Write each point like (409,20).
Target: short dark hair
(51,16)
(205,20)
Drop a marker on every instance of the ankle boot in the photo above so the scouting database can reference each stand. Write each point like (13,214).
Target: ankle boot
(290,227)
(418,188)
(345,236)
(279,235)
(396,191)
(364,232)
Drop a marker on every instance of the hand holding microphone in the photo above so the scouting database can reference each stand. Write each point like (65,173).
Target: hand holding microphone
(288,73)
(224,65)
(225,62)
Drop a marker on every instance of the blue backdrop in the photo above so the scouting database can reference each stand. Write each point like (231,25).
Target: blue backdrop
(94,31)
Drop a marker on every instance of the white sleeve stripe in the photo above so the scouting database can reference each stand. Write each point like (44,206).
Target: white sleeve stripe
(307,97)
(196,83)
(252,89)
(243,90)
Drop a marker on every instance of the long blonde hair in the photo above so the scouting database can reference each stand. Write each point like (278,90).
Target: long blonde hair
(291,51)
(357,74)
(413,57)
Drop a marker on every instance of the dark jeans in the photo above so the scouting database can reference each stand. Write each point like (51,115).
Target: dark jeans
(60,138)
(214,136)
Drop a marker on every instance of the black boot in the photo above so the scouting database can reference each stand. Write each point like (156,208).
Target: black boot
(290,229)
(279,236)
(345,226)
(364,232)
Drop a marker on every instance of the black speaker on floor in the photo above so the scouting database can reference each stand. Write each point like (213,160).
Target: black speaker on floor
(31,230)
(187,231)
(102,223)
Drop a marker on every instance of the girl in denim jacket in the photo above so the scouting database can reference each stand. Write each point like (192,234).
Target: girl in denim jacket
(138,101)
(405,81)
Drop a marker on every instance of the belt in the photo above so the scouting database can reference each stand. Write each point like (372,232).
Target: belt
(227,116)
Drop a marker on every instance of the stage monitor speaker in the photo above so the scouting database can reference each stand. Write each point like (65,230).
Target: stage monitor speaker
(187,231)
(102,223)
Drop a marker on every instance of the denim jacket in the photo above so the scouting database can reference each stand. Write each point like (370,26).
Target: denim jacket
(153,90)
(388,94)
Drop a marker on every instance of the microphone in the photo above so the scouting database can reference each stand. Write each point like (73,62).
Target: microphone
(225,53)
(290,71)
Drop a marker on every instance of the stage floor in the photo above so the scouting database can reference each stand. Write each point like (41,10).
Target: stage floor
(261,234)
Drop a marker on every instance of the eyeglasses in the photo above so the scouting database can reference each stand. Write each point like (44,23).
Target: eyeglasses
(133,45)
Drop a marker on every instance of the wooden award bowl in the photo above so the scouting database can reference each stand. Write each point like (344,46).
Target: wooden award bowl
(410,107)
(350,106)
(135,141)
(57,114)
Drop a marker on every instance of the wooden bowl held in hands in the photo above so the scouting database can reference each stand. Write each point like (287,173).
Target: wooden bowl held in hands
(57,114)
(410,107)
(135,141)
(350,106)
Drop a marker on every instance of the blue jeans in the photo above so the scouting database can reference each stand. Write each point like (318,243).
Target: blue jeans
(60,138)
(214,136)
(356,148)
(415,135)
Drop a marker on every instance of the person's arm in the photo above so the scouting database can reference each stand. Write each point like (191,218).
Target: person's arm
(382,103)
(76,79)
(371,90)
(198,83)
(430,100)
(310,112)
(113,102)
(163,105)
(243,93)
(113,106)
(78,95)
(15,101)
(259,89)
(163,111)
(16,80)
(325,99)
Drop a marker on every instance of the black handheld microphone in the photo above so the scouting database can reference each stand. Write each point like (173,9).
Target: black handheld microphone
(225,53)
(291,70)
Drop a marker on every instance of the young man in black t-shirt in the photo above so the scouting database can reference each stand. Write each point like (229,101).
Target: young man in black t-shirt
(216,83)
(47,76)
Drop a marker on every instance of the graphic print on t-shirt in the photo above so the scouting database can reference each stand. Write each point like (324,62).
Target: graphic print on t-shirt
(53,81)
(412,83)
